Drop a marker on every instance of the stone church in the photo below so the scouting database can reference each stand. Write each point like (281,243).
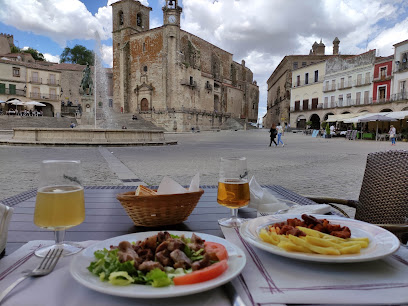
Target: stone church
(174,78)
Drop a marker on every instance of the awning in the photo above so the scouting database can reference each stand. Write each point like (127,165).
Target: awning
(360,116)
(341,117)
(397,115)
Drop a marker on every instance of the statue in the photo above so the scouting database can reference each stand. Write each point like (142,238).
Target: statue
(86,81)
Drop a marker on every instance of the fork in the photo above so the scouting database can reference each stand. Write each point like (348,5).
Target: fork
(45,267)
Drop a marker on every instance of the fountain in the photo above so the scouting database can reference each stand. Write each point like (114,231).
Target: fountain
(109,135)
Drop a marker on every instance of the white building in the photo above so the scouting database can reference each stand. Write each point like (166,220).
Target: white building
(400,68)
(348,81)
(306,94)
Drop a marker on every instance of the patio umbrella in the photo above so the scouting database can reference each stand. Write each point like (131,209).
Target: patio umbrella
(35,103)
(15,102)
(376,118)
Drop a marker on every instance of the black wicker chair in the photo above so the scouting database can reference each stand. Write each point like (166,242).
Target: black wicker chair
(383,196)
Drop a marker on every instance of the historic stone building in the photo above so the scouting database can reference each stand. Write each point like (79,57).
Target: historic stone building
(174,78)
(280,82)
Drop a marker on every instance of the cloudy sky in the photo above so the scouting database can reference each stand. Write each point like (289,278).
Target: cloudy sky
(261,32)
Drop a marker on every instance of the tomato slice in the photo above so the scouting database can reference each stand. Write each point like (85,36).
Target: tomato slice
(202,275)
(219,250)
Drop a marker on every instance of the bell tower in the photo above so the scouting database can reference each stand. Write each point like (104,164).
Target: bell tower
(129,17)
(171,13)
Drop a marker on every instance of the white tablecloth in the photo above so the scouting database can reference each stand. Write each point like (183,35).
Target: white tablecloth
(269,279)
(59,288)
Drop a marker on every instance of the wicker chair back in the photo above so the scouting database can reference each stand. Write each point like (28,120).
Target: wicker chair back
(384,191)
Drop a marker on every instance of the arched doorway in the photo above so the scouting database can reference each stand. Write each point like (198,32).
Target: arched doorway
(315,122)
(301,122)
(144,105)
(386,110)
(345,113)
(48,110)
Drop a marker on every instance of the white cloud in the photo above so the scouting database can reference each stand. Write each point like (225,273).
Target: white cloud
(107,55)
(52,58)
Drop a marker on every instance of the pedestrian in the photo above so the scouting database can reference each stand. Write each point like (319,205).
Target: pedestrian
(280,131)
(72,125)
(392,133)
(273,133)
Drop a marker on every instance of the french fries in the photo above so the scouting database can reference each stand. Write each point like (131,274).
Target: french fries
(314,242)
(144,191)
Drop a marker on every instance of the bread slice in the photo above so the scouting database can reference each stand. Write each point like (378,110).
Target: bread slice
(144,191)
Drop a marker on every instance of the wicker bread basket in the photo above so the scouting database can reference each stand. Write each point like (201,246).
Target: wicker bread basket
(161,209)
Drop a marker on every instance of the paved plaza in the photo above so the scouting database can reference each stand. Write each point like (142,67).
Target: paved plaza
(311,166)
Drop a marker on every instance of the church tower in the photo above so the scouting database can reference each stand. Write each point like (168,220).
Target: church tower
(128,17)
(172,13)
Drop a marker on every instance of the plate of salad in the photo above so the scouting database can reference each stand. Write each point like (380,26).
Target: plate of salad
(158,264)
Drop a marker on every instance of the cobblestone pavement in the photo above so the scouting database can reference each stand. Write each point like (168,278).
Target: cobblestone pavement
(313,166)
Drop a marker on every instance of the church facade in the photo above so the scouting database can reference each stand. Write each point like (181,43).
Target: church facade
(174,78)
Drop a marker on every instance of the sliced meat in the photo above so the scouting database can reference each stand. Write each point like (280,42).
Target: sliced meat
(196,239)
(162,246)
(175,244)
(164,258)
(195,246)
(150,265)
(309,219)
(180,259)
(126,252)
(162,236)
(150,243)
(201,264)
(146,254)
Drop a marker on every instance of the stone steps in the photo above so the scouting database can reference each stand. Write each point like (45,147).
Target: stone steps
(11,122)
(116,121)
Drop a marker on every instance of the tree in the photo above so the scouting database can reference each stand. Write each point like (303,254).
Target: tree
(77,55)
(35,54)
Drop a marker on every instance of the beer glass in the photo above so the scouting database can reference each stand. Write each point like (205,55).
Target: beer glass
(60,202)
(233,188)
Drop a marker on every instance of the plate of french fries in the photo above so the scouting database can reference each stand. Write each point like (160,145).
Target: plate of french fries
(364,242)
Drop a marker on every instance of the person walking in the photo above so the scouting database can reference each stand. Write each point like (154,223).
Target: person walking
(393,135)
(279,128)
(273,133)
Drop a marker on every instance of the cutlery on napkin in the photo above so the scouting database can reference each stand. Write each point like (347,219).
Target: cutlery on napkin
(267,204)
(5,216)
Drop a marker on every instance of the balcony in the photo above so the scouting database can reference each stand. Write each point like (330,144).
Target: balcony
(53,97)
(344,85)
(15,92)
(35,95)
(400,96)
(328,88)
(36,80)
(400,66)
(382,78)
(362,82)
(52,82)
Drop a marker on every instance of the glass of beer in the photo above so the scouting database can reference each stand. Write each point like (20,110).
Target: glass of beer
(233,188)
(60,202)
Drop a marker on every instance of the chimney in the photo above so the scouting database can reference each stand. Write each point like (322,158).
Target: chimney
(336,43)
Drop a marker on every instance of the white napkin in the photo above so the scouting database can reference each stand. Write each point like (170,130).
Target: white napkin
(169,186)
(5,215)
(262,200)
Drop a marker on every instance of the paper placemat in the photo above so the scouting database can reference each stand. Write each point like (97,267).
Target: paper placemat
(268,279)
(59,288)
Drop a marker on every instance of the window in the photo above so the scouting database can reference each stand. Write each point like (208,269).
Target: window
(145,68)
(139,20)
(341,83)
(144,47)
(348,99)
(303,64)
(402,86)
(358,98)
(53,93)
(12,89)
(315,101)
(34,77)
(350,81)
(359,77)
(298,80)
(2,88)
(332,101)
(366,96)
(16,72)
(383,72)
(295,65)
(381,92)
(121,18)
(367,78)
(306,78)
(191,80)
(52,80)
(316,76)
(327,85)
(333,85)
(297,105)
(110,102)
(340,100)
(305,104)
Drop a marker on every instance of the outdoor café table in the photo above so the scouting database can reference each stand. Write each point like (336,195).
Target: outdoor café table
(105,218)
